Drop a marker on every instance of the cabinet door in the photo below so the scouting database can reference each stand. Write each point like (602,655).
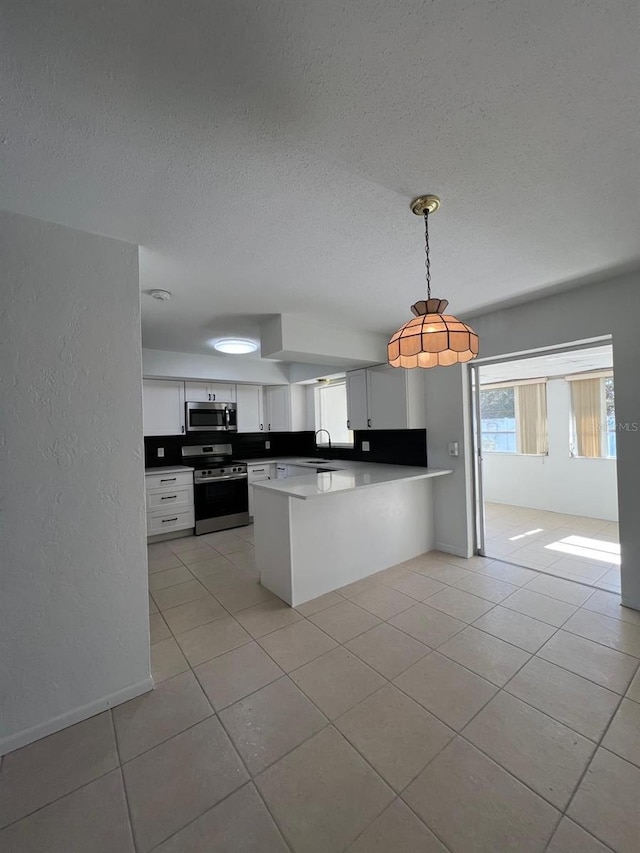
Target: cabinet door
(163,407)
(250,415)
(282,471)
(197,392)
(278,408)
(222,392)
(387,397)
(357,409)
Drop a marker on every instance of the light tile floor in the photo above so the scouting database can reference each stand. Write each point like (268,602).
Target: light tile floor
(441,705)
(567,546)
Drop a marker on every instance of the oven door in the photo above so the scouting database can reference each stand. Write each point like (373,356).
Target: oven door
(222,503)
(207,417)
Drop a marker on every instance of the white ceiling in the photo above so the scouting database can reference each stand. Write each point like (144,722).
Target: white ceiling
(563,363)
(264,154)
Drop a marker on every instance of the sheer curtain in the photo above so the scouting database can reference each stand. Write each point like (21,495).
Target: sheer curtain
(586,404)
(531,420)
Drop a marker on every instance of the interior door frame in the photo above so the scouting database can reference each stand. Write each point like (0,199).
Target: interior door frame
(474,407)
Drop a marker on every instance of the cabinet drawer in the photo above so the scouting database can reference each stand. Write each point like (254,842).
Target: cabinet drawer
(170,521)
(168,481)
(159,499)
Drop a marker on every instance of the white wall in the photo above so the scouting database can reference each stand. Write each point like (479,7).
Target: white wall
(73,609)
(585,313)
(162,364)
(557,482)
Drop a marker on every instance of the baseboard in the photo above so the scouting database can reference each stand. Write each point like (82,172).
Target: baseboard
(76,715)
(451,549)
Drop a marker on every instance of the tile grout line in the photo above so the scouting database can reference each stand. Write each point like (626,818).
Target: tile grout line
(500,689)
(122,779)
(599,745)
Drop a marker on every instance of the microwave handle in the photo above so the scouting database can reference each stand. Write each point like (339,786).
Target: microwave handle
(227,420)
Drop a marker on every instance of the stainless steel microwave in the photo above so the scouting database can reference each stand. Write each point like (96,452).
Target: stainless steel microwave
(211,417)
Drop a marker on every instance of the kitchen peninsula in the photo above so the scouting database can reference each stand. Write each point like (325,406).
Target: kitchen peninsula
(319,531)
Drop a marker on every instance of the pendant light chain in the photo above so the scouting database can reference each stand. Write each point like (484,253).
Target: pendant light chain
(427,263)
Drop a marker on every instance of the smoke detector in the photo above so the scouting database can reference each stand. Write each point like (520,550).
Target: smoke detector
(162,295)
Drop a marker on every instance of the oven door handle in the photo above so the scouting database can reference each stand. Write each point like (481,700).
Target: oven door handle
(225,477)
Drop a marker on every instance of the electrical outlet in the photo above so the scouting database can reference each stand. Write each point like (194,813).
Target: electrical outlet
(454,448)
(365,446)
(160,452)
(267,445)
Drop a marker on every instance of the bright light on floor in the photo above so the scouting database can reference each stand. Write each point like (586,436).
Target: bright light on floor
(591,549)
(528,533)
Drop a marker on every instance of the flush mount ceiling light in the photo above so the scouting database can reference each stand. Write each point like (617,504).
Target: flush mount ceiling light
(432,338)
(235,346)
(163,295)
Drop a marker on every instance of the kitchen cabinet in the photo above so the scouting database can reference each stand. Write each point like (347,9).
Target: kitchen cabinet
(256,473)
(210,392)
(282,471)
(384,397)
(163,407)
(249,399)
(357,408)
(285,408)
(169,500)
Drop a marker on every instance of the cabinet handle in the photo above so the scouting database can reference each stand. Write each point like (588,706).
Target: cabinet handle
(368,422)
(261,426)
(269,427)
(348,424)
(257,470)
(169,480)
(168,497)
(209,396)
(182,428)
(213,397)
(169,519)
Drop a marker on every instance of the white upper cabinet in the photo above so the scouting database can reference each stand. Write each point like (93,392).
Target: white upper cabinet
(384,397)
(163,407)
(250,408)
(285,408)
(357,408)
(210,392)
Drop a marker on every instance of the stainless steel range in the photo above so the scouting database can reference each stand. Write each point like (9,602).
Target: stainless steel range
(220,487)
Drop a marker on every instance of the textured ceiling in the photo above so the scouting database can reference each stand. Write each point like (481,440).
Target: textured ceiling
(264,153)
(555,364)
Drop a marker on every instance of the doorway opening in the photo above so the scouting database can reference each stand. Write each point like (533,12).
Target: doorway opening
(545,450)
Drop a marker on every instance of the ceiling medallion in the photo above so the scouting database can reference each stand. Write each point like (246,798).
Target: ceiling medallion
(432,337)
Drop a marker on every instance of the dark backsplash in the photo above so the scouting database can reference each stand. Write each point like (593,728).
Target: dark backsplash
(395,447)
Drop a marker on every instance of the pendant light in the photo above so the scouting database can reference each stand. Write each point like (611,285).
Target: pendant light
(432,338)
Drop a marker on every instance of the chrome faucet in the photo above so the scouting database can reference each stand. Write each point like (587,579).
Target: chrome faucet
(316,437)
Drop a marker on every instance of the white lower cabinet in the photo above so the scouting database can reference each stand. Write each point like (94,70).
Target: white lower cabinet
(169,498)
(257,472)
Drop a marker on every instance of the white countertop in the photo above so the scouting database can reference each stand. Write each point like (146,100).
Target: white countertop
(346,476)
(168,469)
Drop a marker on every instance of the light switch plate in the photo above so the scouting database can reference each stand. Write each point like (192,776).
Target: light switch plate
(267,445)
(160,452)
(365,446)
(454,448)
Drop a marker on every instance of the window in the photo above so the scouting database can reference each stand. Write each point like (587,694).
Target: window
(593,417)
(498,419)
(610,415)
(514,418)
(331,413)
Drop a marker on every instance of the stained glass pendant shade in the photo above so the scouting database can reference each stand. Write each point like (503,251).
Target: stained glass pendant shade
(432,338)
